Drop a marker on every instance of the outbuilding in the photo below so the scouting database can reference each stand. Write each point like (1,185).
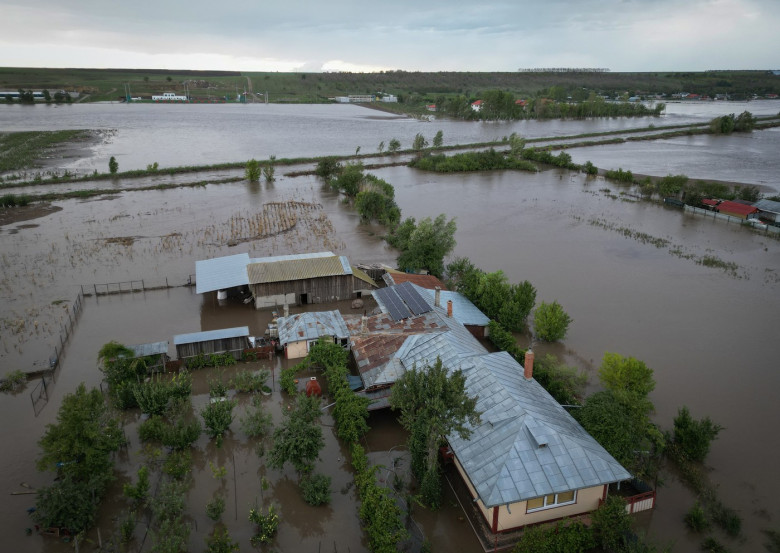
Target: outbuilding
(226,340)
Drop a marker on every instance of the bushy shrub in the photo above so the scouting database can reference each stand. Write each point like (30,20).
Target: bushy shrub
(696,518)
(267,525)
(694,436)
(249,381)
(215,507)
(551,322)
(316,489)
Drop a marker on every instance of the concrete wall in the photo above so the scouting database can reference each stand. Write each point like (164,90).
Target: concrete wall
(264,302)
(296,350)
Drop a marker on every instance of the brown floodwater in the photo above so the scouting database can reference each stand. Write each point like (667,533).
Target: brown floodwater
(708,333)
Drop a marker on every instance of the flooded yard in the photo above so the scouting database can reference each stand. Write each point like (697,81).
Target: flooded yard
(629,272)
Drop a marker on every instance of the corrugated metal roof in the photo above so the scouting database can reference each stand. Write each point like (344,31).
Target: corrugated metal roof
(221,272)
(291,257)
(425,281)
(152,348)
(359,274)
(208,335)
(768,205)
(734,207)
(297,269)
(311,325)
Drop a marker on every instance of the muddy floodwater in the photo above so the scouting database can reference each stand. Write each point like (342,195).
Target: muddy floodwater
(628,272)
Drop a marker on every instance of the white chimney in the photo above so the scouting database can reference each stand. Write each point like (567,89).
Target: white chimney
(437,297)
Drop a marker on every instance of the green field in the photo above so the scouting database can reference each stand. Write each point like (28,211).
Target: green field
(412,88)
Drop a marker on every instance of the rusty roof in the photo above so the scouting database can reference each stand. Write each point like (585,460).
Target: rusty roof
(297,269)
(424,281)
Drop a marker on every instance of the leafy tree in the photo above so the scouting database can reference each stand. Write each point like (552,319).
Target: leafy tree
(438,140)
(564,383)
(258,422)
(113,165)
(217,416)
(266,525)
(252,170)
(381,147)
(626,377)
(551,322)
(433,403)
(139,491)
(611,524)
(46,96)
(612,424)
(694,436)
(516,144)
(428,243)
(745,122)
(78,447)
(221,542)
(419,142)
(299,439)
(564,537)
(268,170)
(394,145)
(349,179)
(327,168)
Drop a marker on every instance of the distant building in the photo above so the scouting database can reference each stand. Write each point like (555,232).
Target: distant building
(738,210)
(476,106)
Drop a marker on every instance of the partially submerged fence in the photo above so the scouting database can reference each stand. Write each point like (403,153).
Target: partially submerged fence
(40,393)
(132,286)
(730,219)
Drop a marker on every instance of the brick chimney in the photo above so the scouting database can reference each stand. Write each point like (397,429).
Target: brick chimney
(449,308)
(529,364)
(437,297)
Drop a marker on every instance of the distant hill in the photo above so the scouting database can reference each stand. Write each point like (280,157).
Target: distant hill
(411,87)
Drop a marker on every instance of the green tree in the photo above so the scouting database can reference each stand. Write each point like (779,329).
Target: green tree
(745,122)
(217,416)
(551,322)
(46,96)
(394,145)
(626,377)
(613,425)
(693,436)
(516,144)
(113,165)
(438,140)
(349,180)
(428,244)
(252,170)
(269,170)
(298,440)
(433,403)
(611,524)
(381,146)
(419,142)
(78,446)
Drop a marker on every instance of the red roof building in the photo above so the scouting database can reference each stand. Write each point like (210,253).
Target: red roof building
(424,281)
(736,209)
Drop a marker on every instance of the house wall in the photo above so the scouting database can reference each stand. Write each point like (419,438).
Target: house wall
(587,500)
(296,350)
(317,290)
(234,345)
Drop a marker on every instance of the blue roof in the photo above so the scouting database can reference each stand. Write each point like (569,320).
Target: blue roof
(209,335)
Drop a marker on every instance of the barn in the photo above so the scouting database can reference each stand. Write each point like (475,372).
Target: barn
(225,340)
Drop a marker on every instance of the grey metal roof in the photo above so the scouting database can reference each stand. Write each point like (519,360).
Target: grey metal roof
(208,335)
(152,348)
(462,309)
(221,272)
(768,205)
(291,257)
(527,445)
(311,325)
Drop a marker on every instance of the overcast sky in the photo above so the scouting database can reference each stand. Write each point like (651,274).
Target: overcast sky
(413,35)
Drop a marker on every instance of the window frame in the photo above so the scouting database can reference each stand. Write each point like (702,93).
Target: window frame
(555,504)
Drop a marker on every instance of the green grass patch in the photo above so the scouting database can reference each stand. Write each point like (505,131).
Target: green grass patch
(20,150)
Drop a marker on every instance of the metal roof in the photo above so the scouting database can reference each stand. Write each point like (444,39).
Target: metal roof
(221,272)
(768,205)
(527,445)
(209,335)
(426,281)
(275,270)
(462,309)
(311,325)
(292,257)
(152,348)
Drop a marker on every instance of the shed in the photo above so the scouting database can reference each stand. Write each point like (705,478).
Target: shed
(297,333)
(769,210)
(226,340)
(739,210)
(304,279)
(155,354)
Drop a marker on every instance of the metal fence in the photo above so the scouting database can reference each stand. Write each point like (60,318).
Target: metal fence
(730,219)
(132,286)
(40,393)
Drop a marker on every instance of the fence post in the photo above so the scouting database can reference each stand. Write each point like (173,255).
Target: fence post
(166,282)
(142,286)
(95,286)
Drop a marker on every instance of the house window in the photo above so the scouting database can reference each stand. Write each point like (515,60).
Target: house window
(550,501)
